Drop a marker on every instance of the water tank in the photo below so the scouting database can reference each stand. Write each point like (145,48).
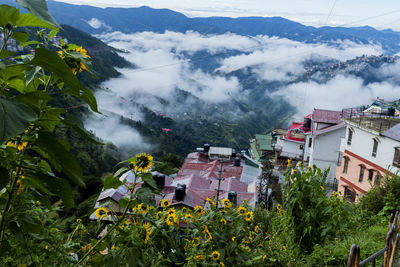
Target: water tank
(159,178)
(391,112)
(237,162)
(307,123)
(233,153)
(206,148)
(232,196)
(180,192)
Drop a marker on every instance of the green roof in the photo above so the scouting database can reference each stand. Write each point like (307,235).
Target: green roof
(264,141)
(254,151)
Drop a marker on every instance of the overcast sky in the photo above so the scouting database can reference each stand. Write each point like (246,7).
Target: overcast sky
(385,13)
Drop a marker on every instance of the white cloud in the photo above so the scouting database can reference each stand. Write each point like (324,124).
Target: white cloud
(97,24)
(340,92)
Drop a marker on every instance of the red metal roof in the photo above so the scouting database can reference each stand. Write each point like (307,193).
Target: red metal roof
(327,116)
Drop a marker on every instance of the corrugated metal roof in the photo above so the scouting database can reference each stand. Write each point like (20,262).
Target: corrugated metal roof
(264,141)
(326,116)
(393,133)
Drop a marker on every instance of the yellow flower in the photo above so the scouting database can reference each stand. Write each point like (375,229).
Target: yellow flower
(100,212)
(226,203)
(223,220)
(20,186)
(22,145)
(195,241)
(171,211)
(242,210)
(165,203)
(256,229)
(142,208)
(288,162)
(142,162)
(335,194)
(199,257)
(46,247)
(78,220)
(198,210)
(293,171)
(322,188)
(158,215)
(215,255)
(11,144)
(74,71)
(171,219)
(82,51)
(209,200)
(264,258)
(233,238)
(38,203)
(249,216)
(113,247)
(147,227)
(284,248)
(207,234)
(221,264)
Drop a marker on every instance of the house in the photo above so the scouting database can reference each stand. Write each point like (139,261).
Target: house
(323,142)
(371,148)
(260,147)
(210,172)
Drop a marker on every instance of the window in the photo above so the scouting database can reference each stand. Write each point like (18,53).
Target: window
(378,178)
(301,147)
(375,147)
(349,194)
(310,142)
(350,136)
(370,175)
(339,160)
(396,158)
(346,164)
(362,169)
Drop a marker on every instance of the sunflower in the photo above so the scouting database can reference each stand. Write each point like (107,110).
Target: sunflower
(81,50)
(288,163)
(22,145)
(322,188)
(209,200)
(199,257)
(147,227)
(215,255)
(221,264)
(165,203)
(171,219)
(198,210)
(226,203)
(142,162)
(256,229)
(100,212)
(264,258)
(10,144)
(142,208)
(233,238)
(223,221)
(195,241)
(171,211)
(207,234)
(249,216)
(242,210)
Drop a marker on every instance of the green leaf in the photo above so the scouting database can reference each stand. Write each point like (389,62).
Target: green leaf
(121,171)
(132,256)
(30,20)
(2,66)
(112,182)
(6,53)
(148,180)
(50,117)
(57,154)
(21,37)
(4,177)
(39,9)
(89,98)
(14,118)
(36,182)
(62,189)
(9,15)
(50,61)
(145,195)
(29,224)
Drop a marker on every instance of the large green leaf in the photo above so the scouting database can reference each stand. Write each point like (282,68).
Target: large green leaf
(30,20)
(21,37)
(51,62)
(9,15)
(39,9)
(4,177)
(50,117)
(14,118)
(57,154)
(62,189)
(112,182)
(89,98)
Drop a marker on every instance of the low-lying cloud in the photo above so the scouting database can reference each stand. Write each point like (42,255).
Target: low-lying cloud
(172,78)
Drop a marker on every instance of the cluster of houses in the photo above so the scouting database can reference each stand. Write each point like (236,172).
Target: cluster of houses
(209,172)
(359,146)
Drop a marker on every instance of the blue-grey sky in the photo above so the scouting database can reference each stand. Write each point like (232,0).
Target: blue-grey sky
(386,13)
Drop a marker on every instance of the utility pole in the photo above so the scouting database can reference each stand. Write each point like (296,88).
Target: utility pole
(219,179)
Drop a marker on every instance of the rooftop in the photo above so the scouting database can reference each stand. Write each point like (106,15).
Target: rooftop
(327,116)
(377,124)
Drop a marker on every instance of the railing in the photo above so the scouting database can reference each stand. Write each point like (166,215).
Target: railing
(389,251)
